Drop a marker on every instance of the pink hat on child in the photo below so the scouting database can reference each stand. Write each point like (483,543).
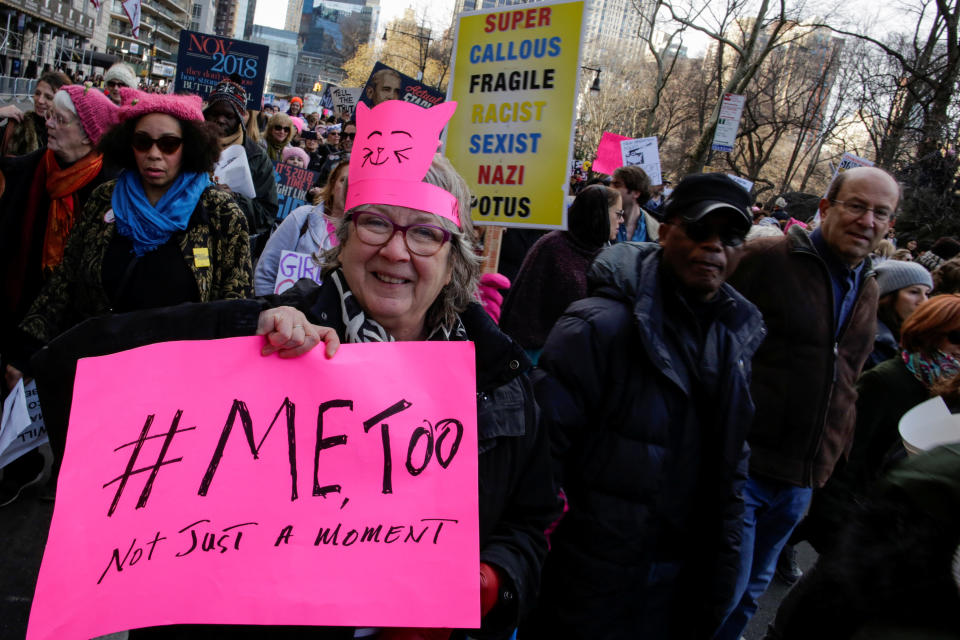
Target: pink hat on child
(295,151)
(97,114)
(135,103)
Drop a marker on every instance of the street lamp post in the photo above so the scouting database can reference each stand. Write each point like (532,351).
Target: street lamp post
(596,79)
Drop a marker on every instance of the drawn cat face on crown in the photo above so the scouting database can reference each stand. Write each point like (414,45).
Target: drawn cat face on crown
(397,139)
(395,145)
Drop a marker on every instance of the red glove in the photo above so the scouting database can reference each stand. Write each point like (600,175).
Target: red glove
(414,634)
(490,296)
(489,588)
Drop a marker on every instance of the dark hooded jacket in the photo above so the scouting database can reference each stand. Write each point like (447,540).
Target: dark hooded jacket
(647,404)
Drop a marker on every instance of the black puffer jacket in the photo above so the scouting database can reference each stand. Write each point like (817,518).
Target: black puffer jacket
(650,447)
(517,497)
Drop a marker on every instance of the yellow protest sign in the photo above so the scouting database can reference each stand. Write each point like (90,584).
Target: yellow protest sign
(515,81)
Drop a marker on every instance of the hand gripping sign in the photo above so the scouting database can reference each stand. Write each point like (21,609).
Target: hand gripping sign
(203,483)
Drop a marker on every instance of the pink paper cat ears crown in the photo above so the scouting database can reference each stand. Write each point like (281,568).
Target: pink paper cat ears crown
(395,144)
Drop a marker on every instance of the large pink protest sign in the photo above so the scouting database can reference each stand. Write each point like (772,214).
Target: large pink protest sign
(203,483)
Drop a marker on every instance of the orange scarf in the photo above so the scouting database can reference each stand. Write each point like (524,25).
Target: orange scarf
(61,185)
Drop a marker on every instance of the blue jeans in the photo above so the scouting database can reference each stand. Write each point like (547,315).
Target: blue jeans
(772,510)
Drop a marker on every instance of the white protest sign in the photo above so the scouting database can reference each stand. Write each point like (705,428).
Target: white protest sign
(293,266)
(743,182)
(311,103)
(22,427)
(643,153)
(345,99)
(847,161)
(233,170)
(731,108)
(928,425)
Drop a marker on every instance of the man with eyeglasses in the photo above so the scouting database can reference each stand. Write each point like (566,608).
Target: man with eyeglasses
(227,108)
(818,296)
(644,389)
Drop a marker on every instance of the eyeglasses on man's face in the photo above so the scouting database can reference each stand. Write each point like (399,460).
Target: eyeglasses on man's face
(858,209)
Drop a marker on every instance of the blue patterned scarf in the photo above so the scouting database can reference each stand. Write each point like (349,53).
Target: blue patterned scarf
(931,369)
(149,226)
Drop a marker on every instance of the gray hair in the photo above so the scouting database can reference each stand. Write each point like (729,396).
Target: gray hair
(464,260)
(63,100)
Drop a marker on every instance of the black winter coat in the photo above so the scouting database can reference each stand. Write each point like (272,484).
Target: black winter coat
(19,174)
(517,497)
(632,430)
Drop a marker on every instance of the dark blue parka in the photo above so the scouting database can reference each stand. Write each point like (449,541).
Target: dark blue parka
(649,446)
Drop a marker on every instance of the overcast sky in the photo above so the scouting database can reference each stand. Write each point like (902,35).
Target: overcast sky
(273,13)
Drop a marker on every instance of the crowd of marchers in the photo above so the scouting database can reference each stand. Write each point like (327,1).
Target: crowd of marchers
(672,392)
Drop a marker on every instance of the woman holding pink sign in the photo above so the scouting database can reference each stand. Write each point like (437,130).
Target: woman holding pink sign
(405,268)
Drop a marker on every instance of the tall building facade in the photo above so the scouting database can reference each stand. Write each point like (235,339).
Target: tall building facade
(330,31)
(154,54)
(294,12)
(202,15)
(282,60)
(36,36)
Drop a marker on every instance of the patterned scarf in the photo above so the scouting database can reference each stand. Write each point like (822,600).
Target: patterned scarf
(931,369)
(149,226)
(360,328)
(61,185)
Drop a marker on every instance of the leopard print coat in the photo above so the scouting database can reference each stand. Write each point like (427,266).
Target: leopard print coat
(75,290)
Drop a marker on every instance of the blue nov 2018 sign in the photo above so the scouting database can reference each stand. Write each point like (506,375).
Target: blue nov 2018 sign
(204,60)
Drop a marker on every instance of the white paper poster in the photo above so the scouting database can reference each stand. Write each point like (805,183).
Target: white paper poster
(731,108)
(311,103)
(233,170)
(643,153)
(345,99)
(293,266)
(22,427)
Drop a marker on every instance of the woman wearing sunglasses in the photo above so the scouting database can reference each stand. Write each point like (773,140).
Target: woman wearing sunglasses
(554,272)
(160,235)
(279,133)
(929,357)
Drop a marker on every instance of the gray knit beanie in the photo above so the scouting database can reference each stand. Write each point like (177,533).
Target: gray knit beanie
(893,275)
(121,73)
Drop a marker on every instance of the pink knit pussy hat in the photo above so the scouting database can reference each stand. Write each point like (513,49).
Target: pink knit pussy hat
(135,103)
(97,114)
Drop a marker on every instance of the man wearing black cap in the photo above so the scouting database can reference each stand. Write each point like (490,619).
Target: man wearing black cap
(227,108)
(644,387)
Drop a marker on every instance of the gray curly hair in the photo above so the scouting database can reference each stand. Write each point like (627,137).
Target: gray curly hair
(464,259)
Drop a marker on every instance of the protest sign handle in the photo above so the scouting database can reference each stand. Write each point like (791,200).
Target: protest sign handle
(492,237)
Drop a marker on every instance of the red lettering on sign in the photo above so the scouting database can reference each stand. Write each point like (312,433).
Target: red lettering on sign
(523,19)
